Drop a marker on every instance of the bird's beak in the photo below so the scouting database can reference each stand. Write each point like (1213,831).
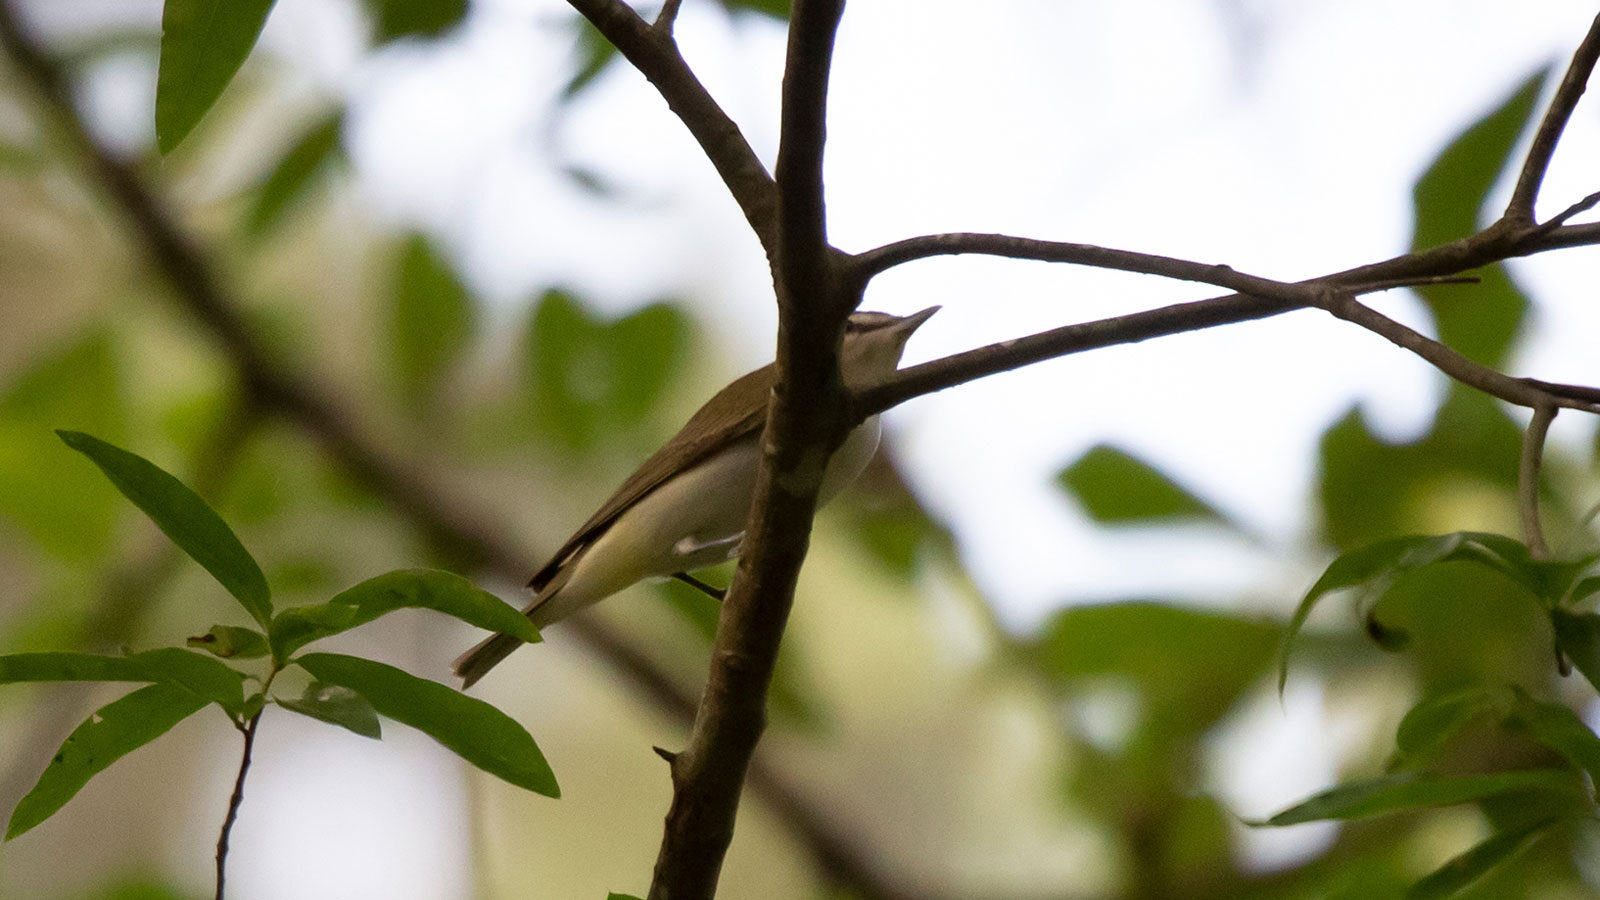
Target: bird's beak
(914,321)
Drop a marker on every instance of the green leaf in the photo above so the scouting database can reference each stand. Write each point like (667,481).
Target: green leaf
(67,514)
(1479,321)
(406,18)
(1433,723)
(337,706)
(615,896)
(1411,790)
(1190,666)
(1377,567)
(201,675)
(474,730)
(203,43)
(185,518)
(401,589)
(230,642)
(1460,873)
(113,731)
(1372,489)
(295,172)
(431,319)
(588,377)
(778,9)
(1115,487)
(594,54)
(1558,728)
(1578,636)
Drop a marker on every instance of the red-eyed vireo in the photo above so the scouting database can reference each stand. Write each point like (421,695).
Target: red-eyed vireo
(685,508)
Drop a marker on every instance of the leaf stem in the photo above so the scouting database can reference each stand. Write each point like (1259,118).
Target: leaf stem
(1528,479)
(248,729)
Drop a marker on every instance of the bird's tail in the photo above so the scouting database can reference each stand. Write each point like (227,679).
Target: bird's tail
(476,663)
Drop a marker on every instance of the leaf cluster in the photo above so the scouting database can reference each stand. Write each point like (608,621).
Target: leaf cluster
(347,691)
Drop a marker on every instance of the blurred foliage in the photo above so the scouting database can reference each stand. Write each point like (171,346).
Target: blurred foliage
(1468,460)
(287,185)
(415,18)
(1481,323)
(69,514)
(1115,487)
(203,43)
(432,320)
(587,376)
(1464,633)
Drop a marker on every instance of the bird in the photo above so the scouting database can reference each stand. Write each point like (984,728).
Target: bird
(685,507)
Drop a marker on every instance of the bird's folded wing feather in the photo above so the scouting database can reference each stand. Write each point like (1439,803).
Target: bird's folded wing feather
(723,419)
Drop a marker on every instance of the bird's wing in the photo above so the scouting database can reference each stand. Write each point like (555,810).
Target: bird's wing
(724,418)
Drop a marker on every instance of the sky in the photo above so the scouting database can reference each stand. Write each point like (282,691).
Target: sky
(1281,137)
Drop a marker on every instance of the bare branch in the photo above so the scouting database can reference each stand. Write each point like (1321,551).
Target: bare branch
(1528,479)
(1490,381)
(1561,218)
(655,54)
(1520,210)
(865,265)
(235,800)
(806,421)
(667,18)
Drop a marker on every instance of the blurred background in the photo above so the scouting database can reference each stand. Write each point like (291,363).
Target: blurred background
(1010,674)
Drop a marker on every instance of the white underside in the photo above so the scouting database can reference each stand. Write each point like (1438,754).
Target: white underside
(691,522)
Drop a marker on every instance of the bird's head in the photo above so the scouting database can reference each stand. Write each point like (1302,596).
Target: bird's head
(873,342)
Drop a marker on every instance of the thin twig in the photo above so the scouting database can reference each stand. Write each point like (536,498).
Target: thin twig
(234,801)
(1520,391)
(656,55)
(1520,209)
(1528,479)
(1561,218)
(864,266)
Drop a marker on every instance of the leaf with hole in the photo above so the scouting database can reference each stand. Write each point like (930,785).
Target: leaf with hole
(471,728)
(337,706)
(115,730)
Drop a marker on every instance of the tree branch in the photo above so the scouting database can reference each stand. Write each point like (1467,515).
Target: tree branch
(655,54)
(235,800)
(1520,208)
(806,421)
(469,533)
(668,17)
